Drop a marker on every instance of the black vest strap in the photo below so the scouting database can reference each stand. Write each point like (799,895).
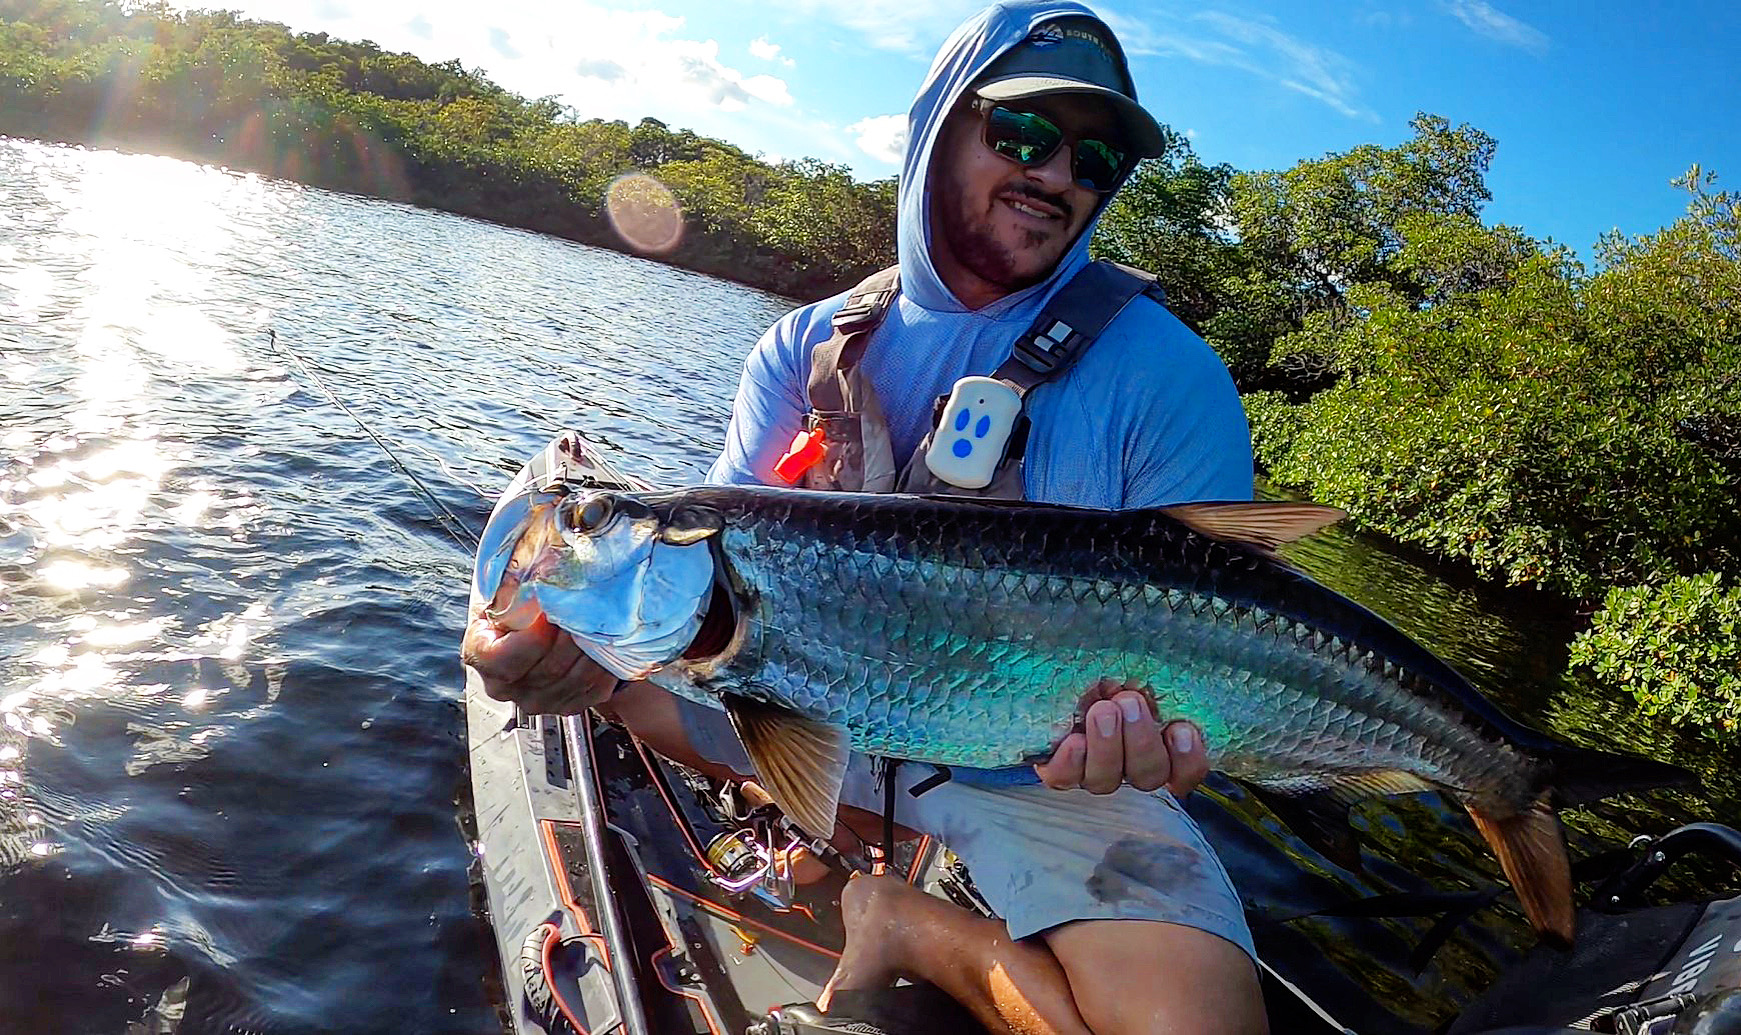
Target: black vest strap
(1072,319)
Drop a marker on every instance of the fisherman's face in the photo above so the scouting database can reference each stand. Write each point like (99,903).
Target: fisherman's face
(998,227)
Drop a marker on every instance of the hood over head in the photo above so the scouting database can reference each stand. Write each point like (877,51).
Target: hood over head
(968,54)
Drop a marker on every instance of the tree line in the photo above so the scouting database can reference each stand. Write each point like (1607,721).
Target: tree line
(1460,386)
(212,86)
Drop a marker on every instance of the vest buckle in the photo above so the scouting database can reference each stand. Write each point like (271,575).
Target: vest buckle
(1046,350)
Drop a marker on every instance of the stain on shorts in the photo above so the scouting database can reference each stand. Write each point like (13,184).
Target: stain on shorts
(1136,869)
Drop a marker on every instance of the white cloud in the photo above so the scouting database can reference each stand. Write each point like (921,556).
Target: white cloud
(883,137)
(1253,45)
(762,49)
(898,25)
(1496,25)
(1315,71)
(1145,28)
(604,62)
(768,88)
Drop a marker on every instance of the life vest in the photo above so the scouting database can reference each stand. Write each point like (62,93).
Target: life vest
(845,443)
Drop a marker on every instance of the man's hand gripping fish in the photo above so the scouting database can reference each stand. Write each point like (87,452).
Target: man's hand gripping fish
(963,632)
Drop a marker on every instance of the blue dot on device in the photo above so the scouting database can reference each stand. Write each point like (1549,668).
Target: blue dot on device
(961,419)
(982,427)
(963,448)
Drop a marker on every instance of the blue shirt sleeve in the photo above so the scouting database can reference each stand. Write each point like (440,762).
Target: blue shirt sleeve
(772,397)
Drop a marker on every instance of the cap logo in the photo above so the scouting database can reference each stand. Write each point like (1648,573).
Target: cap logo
(1046,36)
(1051,34)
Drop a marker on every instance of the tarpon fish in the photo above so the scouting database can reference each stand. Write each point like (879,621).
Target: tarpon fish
(966,632)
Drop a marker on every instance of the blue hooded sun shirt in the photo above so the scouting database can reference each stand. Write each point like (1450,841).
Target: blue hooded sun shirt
(1147,417)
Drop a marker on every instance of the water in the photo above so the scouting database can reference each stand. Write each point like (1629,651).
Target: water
(231,748)
(230,739)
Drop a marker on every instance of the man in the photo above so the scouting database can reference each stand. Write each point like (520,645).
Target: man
(1116,915)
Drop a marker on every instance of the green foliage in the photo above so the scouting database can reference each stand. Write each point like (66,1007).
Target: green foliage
(347,115)
(1341,220)
(1675,647)
(1500,404)
(1169,219)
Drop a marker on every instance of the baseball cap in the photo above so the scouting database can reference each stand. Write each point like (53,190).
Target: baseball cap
(1073,55)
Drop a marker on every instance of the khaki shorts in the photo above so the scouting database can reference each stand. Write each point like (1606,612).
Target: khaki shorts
(1042,857)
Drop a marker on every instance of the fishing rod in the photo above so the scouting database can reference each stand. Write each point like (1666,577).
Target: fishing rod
(450,523)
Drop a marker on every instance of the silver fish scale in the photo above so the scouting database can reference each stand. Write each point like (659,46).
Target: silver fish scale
(979,655)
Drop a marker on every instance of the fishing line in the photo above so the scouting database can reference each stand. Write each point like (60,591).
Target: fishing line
(482,493)
(449,522)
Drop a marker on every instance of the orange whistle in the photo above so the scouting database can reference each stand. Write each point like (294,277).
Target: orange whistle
(804,453)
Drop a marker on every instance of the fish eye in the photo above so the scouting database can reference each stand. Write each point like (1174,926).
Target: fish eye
(591,516)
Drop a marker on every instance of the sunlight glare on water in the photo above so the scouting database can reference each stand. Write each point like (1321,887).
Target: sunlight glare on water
(228,683)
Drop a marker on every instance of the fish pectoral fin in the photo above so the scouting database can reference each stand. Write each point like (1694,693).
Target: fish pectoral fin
(1531,847)
(800,762)
(1269,524)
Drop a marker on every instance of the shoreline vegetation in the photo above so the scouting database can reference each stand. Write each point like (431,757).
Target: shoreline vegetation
(1463,388)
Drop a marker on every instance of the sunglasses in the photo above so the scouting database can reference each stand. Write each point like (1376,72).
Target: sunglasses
(1029,140)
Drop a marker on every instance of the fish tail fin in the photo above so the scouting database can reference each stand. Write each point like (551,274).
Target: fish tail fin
(1532,851)
(1582,775)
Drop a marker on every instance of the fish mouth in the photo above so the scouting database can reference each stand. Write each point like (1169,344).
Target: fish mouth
(499,546)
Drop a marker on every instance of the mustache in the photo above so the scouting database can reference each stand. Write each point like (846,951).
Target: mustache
(1033,193)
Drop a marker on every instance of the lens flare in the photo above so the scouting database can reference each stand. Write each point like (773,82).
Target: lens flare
(644,213)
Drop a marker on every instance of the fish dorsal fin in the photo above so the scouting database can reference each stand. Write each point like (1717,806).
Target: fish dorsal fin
(800,762)
(1269,524)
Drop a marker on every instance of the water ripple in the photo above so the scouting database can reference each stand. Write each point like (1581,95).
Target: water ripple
(230,744)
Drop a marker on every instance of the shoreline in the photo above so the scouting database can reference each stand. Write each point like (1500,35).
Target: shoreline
(574,225)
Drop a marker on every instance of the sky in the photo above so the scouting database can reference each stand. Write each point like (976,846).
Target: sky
(1596,105)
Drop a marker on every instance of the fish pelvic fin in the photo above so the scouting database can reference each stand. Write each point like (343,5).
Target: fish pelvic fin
(1315,806)
(1579,776)
(800,762)
(1269,524)
(1531,847)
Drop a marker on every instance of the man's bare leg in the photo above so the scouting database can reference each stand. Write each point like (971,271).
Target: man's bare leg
(893,931)
(1102,977)
(1158,978)
(1121,975)
(652,715)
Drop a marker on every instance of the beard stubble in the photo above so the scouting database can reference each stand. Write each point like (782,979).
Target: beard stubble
(975,246)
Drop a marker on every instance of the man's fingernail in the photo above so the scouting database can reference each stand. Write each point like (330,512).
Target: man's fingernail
(1106,720)
(1182,737)
(1133,709)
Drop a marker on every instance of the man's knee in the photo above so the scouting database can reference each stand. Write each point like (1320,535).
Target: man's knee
(1146,976)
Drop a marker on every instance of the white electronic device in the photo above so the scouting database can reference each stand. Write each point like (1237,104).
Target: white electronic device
(971,434)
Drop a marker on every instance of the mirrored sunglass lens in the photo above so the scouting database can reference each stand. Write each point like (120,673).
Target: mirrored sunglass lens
(1098,163)
(1025,137)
